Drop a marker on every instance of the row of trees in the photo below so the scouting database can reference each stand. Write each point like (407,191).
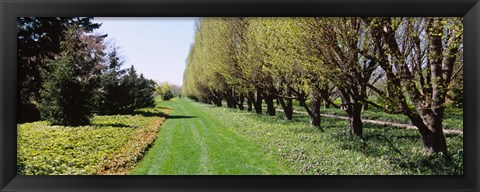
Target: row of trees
(408,66)
(66,73)
(168,91)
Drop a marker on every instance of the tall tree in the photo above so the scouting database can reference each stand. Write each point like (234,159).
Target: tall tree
(337,41)
(38,42)
(146,91)
(69,83)
(112,93)
(418,56)
(130,85)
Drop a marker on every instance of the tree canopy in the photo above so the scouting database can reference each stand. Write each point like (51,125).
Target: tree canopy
(406,66)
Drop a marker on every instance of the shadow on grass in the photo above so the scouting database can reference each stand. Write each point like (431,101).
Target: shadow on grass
(180,117)
(150,114)
(160,107)
(118,125)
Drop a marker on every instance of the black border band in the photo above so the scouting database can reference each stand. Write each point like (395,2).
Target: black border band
(469,9)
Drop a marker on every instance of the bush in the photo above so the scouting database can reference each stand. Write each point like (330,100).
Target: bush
(167,95)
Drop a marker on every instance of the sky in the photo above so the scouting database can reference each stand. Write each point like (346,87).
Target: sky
(156,47)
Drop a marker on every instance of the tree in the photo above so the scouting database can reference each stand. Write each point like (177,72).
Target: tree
(38,42)
(167,95)
(129,84)
(112,94)
(176,89)
(337,41)
(165,88)
(418,56)
(146,91)
(69,84)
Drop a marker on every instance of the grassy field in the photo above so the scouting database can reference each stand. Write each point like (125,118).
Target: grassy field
(110,145)
(307,150)
(192,142)
(200,139)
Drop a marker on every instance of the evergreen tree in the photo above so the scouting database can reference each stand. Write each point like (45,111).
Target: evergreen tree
(69,84)
(38,42)
(145,93)
(112,94)
(129,86)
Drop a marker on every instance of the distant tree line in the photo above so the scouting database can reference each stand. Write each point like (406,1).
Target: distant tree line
(410,66)
(168,91)
(66,74)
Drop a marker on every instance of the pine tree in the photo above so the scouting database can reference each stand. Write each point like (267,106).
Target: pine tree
(38,41)
(129,86)
(112,93)
(69,83)
(145,93)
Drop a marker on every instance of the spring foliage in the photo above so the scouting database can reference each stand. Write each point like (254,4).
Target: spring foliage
(409,66)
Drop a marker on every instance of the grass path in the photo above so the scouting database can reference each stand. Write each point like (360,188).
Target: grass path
(194,143)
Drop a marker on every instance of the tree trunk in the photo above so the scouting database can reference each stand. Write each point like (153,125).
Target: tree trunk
(326,104)
(250,98)
(287,108)
(270,107)
(315,112)
(356,126)
(365,106)
(434,142)
(240,102)
(231,102)
(354,112)
(258,103)
(218,102)
(433,139)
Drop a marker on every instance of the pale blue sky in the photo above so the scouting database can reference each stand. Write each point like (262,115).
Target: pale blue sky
(156,47)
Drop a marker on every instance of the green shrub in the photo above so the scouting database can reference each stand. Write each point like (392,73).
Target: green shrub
(167,95)
(45,149)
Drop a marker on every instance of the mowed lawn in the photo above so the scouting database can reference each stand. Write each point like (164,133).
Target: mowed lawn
(383,150)
(203,139)
(192,142)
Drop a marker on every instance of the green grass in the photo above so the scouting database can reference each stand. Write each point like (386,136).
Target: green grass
(192,142)
(199,139)
(307,150)
(110,145)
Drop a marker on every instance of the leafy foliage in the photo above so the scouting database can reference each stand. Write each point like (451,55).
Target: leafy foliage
(110,145)
(409,66)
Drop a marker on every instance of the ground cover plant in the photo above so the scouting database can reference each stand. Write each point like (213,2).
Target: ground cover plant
(110,145)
